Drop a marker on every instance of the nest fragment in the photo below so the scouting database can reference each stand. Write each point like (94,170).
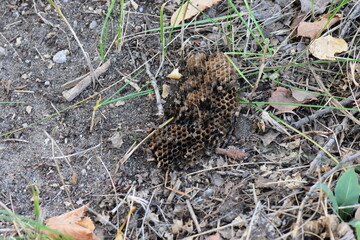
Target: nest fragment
(203,111)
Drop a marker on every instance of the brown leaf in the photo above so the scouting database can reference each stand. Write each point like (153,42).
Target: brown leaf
(235,154)
(303,96)
(282,95)
(190,10)
(314,29)
(73,225)
(318,6)
(325,47)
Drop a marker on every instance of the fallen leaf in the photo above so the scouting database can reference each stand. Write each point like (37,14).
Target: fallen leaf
(325,47)
(73,224)
(235,154)
(268,120)
(318,6)
(314,29)
(191,8)
(303,96)
(282,95)
(116,140)
(179,227)
(175,74)
(269,137)
(165,91)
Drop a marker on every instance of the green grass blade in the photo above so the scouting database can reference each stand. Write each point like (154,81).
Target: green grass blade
(104,31)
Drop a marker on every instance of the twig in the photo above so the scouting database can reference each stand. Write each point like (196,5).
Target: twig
(9,44)
(261,71)
(172,193)
(69,95)
(133,148)
(324,111)
(217,229)
(58,167)
(321,155)
(315,186)
(77,153)
(11,211)
(154,85)
(255,215)
(193,216)
(334,101)
(350,19)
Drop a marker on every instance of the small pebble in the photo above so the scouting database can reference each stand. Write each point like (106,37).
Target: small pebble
(2,52)
(28,109)
(93,25)
(47,83)
(209,192)
(18,42)
(141,9)
(60,56)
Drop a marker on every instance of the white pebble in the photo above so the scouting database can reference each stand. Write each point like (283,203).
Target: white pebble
(60,56)
(2,51)
(93,25)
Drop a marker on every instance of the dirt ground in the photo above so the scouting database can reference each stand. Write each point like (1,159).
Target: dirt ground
(257,197)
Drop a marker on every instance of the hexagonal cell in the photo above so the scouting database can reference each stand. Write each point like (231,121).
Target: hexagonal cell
(202,110)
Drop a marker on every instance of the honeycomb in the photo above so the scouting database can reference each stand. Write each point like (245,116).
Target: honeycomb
(203,110)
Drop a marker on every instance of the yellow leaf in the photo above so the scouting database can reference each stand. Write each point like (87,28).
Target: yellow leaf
(325,47)
(191,9)
(175,74)
(165,91)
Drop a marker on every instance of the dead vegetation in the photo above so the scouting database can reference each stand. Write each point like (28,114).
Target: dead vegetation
(284,165)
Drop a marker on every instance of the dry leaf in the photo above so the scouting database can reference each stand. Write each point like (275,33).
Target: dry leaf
(269,137)
(319,6)
(165,91)
(325,47)
(191,9)
(235,154)
(303,96)
(282,95)
(175,74)
(178,226)
(116,140)
(313,29)
(73,225)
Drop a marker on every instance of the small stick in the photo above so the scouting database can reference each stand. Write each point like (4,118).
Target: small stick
(69,95)
(193,216)
(321,155)
(334,101)
(217,229)
(324,111)
(133,148)
(155,86)
(350,20)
